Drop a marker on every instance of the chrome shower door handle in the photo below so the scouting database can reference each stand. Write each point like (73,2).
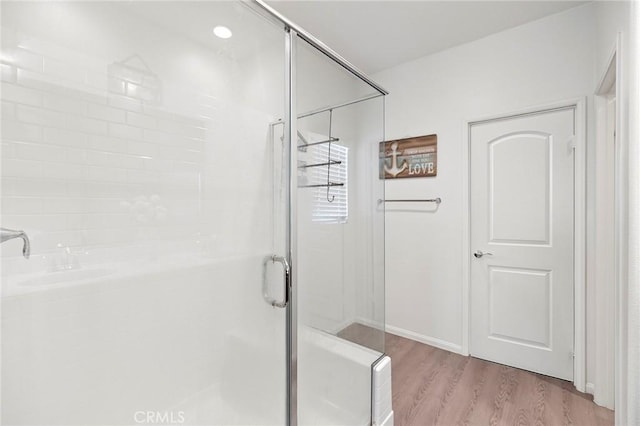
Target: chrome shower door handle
(478,254)
(287,281)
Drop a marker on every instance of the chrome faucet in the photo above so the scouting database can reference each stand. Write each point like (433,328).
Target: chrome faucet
(10,234)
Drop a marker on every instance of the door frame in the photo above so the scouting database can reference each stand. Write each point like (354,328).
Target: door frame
(610,81)
(579,247)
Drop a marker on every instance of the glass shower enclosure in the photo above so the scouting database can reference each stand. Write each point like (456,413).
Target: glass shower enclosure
(203,214)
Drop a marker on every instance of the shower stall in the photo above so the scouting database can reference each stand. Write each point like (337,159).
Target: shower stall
(192,226)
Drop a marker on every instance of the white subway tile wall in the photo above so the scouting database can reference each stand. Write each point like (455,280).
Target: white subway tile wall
(88,147)
(154,186)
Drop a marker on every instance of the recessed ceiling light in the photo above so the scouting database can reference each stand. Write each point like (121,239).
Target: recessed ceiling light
(222,32)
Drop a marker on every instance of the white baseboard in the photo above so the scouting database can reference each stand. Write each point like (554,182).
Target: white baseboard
(357,320)
(590,388)
(369,322)
(431,341)
(344,324)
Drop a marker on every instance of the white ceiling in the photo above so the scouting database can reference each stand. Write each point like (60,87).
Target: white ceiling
(374,35)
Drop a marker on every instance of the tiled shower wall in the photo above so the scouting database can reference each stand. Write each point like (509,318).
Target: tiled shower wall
(88,158)
(136,148)
(101,153)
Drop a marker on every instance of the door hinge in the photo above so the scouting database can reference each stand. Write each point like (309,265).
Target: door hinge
(572,355)
(572,143)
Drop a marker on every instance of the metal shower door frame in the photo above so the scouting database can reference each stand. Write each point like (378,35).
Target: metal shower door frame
(292,33)
(291,231)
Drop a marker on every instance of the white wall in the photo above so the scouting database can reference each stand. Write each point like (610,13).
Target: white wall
(541,62)
(556,58)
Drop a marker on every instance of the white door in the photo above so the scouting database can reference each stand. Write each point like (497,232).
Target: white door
(522,201)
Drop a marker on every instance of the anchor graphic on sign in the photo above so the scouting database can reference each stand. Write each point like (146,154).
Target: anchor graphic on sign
(394,169)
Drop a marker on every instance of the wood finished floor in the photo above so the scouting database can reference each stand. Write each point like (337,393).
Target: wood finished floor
(436,387)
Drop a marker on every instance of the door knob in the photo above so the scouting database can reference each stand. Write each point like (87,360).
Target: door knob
(478,254)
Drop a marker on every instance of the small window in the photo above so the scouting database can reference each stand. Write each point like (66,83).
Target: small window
(336,211)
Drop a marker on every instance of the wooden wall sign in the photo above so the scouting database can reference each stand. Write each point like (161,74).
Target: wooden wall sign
(410,157)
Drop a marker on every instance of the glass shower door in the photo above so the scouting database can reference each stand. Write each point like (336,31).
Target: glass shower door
(137,157)
(340,241)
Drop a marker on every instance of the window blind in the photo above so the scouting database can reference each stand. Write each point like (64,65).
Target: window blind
(336,211)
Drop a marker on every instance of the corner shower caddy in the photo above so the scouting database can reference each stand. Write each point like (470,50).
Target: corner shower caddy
(330,161)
